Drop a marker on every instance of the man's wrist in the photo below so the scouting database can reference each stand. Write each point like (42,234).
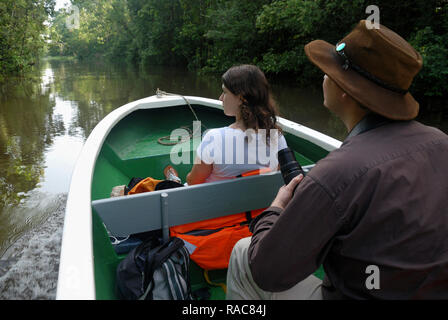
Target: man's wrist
(278,204)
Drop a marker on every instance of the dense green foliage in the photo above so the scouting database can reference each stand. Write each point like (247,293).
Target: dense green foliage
(21,33)
(212,35)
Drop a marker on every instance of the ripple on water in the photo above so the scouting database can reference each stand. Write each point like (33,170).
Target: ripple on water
(29,268)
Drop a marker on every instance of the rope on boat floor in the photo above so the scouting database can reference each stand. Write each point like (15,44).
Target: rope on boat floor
(164,140)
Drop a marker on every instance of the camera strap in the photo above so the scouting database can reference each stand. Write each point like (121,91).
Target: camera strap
(369,122)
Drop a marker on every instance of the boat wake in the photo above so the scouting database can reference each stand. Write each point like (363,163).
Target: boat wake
(29,268)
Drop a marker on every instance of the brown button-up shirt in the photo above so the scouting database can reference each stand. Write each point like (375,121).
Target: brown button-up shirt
(375,214)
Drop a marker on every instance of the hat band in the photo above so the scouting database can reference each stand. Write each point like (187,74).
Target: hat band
(347,63)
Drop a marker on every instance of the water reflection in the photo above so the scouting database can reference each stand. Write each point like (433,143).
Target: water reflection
(25,132)
(61,156)
(28,126)
(304,106)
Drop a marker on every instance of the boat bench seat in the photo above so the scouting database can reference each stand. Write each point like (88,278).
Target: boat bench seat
(165,208)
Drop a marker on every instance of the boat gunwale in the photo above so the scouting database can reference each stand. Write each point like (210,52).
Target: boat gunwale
(76,267)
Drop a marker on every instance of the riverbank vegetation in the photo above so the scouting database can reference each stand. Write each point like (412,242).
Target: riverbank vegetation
(212,35)
(22,34)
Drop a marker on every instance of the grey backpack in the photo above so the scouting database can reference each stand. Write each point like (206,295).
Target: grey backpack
(155,271)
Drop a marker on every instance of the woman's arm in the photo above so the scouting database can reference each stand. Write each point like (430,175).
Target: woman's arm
(199,172)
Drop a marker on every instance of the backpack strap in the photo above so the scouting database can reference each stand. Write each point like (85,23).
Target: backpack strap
(218,284)
(248,217)
(179,286)
(176,285)
(248,174)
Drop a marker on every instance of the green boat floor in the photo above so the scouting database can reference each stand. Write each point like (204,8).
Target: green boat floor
(137,135)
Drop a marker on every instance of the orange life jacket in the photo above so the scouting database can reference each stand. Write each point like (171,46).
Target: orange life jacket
(211,241)
(145,185)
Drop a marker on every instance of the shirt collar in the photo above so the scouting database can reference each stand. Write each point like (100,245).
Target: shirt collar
(369,122)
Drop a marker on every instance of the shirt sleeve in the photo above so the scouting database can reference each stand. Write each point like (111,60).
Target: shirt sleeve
(289,245)
(282,142)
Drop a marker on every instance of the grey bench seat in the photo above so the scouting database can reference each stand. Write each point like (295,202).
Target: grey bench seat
(162,209)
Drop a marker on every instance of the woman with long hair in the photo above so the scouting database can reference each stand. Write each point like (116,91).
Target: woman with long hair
(252,141)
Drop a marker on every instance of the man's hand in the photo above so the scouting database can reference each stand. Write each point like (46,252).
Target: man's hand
(285,193)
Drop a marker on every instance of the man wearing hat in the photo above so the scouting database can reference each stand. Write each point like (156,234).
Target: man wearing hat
(375,211)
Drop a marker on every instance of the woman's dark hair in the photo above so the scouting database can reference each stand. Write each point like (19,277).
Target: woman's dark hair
(259,109)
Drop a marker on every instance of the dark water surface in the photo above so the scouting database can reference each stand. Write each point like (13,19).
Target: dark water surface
(44,122)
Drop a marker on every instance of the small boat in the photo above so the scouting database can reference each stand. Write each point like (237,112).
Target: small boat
(126,144)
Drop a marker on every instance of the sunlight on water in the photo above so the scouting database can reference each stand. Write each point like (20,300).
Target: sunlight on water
(47,79)
(64,151)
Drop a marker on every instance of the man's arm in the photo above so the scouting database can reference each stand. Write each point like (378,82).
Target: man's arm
(288,244)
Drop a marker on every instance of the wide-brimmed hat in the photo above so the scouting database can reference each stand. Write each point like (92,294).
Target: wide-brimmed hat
(374,66)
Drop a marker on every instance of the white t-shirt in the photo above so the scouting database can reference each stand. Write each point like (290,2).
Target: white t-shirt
(233,151)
